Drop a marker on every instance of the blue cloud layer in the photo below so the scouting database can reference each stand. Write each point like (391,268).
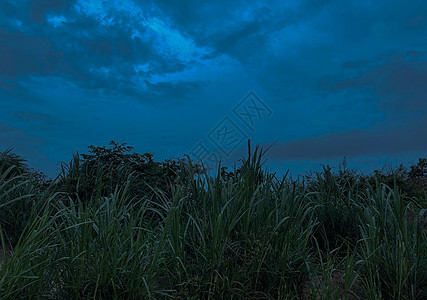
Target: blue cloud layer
(342,78)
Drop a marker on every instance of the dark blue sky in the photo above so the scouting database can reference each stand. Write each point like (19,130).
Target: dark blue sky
(328,78)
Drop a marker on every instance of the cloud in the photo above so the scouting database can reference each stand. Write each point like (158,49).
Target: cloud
(38,8)
(101,45)
(23,55)
(397,82)
(341,77)
(355,143)
(157,30)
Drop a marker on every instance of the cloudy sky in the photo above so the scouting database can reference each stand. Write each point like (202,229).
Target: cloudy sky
(319,79)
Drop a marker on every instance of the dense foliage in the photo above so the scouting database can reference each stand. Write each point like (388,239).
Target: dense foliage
(118,225)
(104,169)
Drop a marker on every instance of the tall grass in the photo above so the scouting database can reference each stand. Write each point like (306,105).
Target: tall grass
(246,236)
(17,196)
(394,252)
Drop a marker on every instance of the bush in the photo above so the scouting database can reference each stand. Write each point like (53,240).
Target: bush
(241,234)
(104,169)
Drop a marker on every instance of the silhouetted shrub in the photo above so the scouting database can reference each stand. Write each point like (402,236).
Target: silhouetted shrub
(104,170)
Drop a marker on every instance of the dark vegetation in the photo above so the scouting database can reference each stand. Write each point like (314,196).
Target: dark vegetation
(118,225)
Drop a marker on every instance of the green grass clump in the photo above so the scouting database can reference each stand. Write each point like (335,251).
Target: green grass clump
(239,235)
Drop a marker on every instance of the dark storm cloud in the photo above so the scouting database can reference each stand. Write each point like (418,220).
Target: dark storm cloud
(37,8)
(27,55)
(342,77)
(120,56)
(399,84)
(364,70)
(236,28)
(411,138)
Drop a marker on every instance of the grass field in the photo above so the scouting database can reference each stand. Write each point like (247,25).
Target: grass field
(247,235)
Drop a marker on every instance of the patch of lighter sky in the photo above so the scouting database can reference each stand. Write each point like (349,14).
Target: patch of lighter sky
(170,41)
(56,21)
